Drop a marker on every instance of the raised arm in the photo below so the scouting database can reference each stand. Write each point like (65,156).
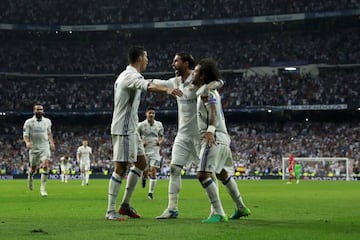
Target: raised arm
(205,89)
(159,88)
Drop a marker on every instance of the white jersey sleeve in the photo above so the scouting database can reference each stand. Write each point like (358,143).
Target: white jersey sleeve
(221,133)
(171,83)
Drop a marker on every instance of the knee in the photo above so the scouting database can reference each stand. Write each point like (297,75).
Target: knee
(120,169)
(222,176)
(46,165)
(202,176)
(175,170)
(152,172)
(141,163)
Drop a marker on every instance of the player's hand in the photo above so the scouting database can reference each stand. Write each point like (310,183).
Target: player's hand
(209,139)
(28,145)
(175,92)
(157,143)
(52,146)
(203,91)
(215,85)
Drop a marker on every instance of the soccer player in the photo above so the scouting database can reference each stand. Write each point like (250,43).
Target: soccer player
(83,154)
(186,146)
(215,153)
(65,168)
(127,146)
(291,166)
(39,141)
(152,134)
(297,172)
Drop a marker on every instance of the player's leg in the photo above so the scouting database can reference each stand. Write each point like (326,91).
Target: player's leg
(82,175)
(44,177)
(214,178)
(173,193)
(153,180)
(154,162)
(34,162)
(62,174)
(291,175)
(134,174)
(87,170)
(179,157)
(228,181)
(297,175)
(145,173)
(113,189)
(120,169)
(208,160)
(133,177)
(232,188)
(31,174)
(66,174)
(144,178)
(212,192)
(183,153)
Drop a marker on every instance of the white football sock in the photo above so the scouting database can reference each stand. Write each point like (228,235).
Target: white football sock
(87,177)
(174,188)
(132,180)
(213,196)
(114,186)
(44,177)
(234,192)
(152,185)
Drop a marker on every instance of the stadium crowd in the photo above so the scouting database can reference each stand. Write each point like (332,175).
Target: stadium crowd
(258,147)
(112,11)
(232,48)
(95,94)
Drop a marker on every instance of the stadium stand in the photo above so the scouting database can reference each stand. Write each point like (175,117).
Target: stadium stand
(72,72)
(134,11)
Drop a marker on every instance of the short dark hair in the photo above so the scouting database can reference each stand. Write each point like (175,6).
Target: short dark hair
(135,52)
(187,57)
(37,104)
(209,69)
(150,109)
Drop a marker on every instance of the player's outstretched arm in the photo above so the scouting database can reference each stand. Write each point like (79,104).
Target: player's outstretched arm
(205,89)
(158,88)
(216,84)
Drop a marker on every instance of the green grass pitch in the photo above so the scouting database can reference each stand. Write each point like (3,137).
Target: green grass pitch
(309,210)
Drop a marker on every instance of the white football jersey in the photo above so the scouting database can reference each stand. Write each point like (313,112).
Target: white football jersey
(127,91)
(221,133)
(151,133)
(187,123)
(84,153)
(38,131)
